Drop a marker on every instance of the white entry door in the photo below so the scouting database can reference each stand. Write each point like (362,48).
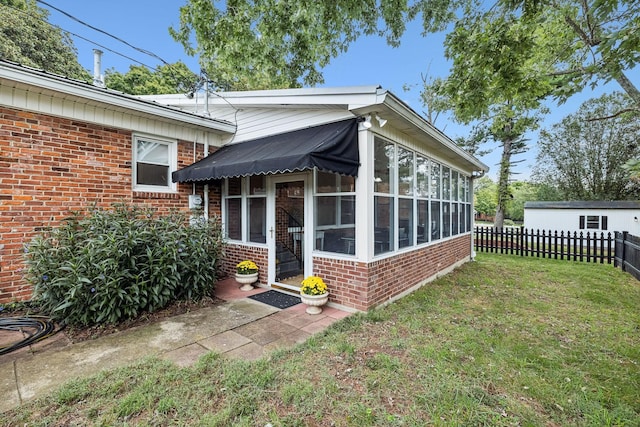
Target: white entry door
(289,247)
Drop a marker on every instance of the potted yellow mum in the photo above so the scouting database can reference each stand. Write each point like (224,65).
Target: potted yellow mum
(314,294)
(246,274)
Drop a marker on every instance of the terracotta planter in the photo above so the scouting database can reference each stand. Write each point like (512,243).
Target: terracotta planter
(315,302)
(246,280)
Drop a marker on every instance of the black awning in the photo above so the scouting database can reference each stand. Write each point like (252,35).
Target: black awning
(332,148)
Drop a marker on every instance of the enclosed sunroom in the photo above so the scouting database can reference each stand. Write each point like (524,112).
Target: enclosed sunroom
(347,184)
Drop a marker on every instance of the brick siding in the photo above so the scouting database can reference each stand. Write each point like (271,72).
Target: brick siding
(360,285)
(234,253)
(365,285)
(50,166)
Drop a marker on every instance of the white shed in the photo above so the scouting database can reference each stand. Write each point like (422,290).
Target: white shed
(583,216)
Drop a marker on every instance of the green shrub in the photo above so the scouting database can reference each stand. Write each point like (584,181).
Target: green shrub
(112,264)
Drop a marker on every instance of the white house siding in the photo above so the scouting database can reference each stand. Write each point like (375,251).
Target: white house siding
(260,122)
(565,216)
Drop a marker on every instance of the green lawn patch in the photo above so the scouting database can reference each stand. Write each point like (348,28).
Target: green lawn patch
(502,341)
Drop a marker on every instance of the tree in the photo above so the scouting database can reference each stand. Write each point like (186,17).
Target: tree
(584,157)
(562,47)
(139,80)
(597,42)
(600,40)
(27,38)
(527,50)
(495,82)
(521,192)
(484,190)
(262,44)
(547,192)
(256,44)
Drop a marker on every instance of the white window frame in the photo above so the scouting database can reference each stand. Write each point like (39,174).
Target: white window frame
(173,163)
(435,193)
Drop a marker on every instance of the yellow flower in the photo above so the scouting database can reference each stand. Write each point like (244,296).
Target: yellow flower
(246,267)
(313,285)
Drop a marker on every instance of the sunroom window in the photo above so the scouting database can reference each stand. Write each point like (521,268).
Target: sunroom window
(383,200)
(257,209)
(436,184)
(416,200)
(253,201)
(446,203)
(405,197)
(233,211)
(335,213)
(455,219)
(422,195)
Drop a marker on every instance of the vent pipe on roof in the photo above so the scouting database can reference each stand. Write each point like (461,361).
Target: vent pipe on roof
(98,78)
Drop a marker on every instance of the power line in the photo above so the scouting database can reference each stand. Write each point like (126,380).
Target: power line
(144,51)
(105,48)
(82,38)
(141,50)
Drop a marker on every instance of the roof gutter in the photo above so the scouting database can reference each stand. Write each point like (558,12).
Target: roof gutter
(79,89)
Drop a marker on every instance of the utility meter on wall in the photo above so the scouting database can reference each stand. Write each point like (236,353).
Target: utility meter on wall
(195,201)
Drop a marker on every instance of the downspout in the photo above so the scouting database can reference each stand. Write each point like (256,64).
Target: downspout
(193,185)
(206,186)
(473,178)
(207,113)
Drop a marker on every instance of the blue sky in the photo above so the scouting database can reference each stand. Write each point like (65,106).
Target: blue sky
(369,61)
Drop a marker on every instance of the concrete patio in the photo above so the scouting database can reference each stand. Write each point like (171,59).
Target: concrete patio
(238,328)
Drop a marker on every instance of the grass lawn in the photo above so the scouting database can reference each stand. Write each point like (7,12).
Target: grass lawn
(501,341)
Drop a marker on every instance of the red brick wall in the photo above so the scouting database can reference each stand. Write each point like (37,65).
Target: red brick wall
(360,285)
(234,253)
(363,286)
(215,198)
(50,166)
(346,279)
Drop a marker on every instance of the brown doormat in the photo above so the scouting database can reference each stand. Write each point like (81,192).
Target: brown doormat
(276,299)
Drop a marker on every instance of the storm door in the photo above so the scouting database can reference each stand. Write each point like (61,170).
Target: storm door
(288,248)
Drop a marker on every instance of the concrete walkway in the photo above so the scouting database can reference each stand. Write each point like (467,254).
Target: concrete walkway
(238,328)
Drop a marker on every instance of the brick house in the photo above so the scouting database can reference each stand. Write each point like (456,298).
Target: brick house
(349,184)
(65,145)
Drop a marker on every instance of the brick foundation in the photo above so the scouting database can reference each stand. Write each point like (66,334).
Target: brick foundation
(234,253)
(363,286)
(360,285)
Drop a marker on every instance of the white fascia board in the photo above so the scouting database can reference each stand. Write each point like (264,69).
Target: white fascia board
(359,100)
(94,95)
(341,97)
(397,105)
(388,101)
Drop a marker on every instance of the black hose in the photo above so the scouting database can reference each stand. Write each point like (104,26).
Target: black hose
(36,328)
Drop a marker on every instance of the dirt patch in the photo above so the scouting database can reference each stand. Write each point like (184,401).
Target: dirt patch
(79,334)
